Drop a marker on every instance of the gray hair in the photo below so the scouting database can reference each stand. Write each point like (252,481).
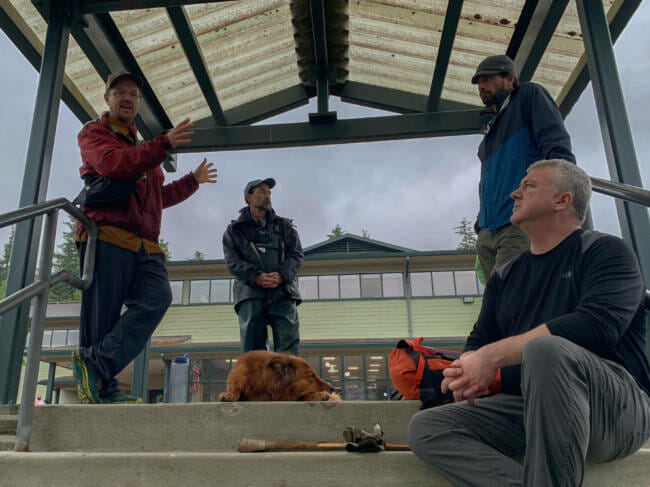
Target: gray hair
(567,177)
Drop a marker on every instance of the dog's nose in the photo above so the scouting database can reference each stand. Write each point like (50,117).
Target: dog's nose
(331,388)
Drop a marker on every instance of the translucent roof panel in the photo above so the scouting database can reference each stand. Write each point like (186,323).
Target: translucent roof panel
(248,48)
(393,44)
(155,46)
(81,78)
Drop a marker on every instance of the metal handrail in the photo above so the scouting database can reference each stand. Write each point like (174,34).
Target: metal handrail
(621,191)
(39,290)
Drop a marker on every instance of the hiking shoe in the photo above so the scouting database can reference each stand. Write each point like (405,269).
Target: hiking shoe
(88,383)
(119,397)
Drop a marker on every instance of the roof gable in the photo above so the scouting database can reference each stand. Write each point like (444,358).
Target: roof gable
(349,243)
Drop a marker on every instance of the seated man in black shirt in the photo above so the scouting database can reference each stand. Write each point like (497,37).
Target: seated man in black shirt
(564,321)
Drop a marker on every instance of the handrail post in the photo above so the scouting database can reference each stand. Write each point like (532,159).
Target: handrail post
(26,411)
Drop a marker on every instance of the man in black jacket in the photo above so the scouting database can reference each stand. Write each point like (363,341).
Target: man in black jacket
(564,322)
(263,252)
(525,126)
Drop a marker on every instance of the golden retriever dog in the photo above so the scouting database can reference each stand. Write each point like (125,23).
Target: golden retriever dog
(270,376)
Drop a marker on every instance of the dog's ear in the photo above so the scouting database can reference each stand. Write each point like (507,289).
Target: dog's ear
(283,370)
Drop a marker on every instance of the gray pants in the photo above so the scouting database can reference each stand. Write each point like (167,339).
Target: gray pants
(576,407)
(497,247)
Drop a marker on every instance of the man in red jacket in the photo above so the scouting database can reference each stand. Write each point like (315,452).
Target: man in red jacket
(130,267)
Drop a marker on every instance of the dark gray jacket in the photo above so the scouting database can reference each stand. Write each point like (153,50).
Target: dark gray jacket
(245,264)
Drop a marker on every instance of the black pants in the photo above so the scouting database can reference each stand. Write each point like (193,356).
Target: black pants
(279,311)
(109,340)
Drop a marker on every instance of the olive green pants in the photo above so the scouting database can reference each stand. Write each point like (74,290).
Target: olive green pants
(497,247)
(278,311)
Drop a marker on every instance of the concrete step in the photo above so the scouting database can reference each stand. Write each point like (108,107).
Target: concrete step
(8,423)
(7,442)
(4,409)
(209,427)
(280,469)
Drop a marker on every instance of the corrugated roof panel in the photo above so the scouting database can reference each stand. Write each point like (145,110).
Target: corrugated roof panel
(81,75)
(248,48)
(485,28)
(393,43)
(155,46)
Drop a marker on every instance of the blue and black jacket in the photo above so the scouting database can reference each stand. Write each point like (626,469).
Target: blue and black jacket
(528,129)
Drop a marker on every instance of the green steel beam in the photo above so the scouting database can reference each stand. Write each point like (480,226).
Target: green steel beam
(392,100)
(618,23)
(186,36)
(16,36)
(520,28)
(615,126)
(435,124)
(321,71)
(452,17)
(24,254)
(261,109)
(538,34)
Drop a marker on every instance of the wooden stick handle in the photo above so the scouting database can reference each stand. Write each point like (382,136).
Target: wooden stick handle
(249,445)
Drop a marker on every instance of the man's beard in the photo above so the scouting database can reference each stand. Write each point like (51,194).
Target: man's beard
(265,206)
(488,100)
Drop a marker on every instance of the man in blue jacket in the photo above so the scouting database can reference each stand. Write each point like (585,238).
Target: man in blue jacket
(526,127)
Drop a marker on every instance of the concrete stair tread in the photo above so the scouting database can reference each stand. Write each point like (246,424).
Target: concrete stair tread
(286,469)
(8,423)
(7,442)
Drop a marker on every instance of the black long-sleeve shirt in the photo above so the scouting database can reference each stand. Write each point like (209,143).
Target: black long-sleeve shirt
(588,289)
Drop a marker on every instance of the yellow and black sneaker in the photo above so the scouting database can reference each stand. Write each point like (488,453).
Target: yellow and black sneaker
(88,383)
(119,397)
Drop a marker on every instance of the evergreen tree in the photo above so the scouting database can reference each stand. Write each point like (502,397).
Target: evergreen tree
(164,244)
(67,258)
(198,255)
(466,231)
(337,231)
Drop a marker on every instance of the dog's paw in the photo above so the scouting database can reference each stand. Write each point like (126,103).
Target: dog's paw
(333,396)
(226,397)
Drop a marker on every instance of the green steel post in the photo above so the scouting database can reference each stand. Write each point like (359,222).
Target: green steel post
(51,373)
(407,289)
(13,325)
(140,379)
(615,128)
(168,367)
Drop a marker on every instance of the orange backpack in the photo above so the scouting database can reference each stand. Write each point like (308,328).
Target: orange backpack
(416,372)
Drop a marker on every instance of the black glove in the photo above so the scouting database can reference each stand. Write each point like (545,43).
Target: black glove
(358,440)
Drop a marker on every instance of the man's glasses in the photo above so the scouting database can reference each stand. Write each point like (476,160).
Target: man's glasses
(124,94)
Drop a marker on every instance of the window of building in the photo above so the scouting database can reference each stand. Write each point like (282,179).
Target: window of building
(393,285)
(200,292)
(328,287)
(350,286)
(59,338)
(177,292)
(371,285)
(308,287)
(47,338)
(73,337)
(208,378)
(220,291)
(421,284)
(466,283)
(443,284)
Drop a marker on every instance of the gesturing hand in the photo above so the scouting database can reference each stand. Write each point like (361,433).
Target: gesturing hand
(205,173)
(181,134)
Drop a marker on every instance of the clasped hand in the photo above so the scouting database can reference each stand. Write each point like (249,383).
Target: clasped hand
(269,281)
(469,376)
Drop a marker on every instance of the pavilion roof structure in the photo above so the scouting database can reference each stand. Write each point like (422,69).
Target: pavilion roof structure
(229,64)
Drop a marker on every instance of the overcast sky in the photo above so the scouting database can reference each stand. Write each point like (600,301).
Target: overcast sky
(409,193)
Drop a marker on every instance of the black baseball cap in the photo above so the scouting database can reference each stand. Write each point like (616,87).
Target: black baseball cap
(270,182)
(118,75)
(494,65)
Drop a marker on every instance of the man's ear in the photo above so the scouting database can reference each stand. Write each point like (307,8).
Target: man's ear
(106,98)
(247,197)
(563,201)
